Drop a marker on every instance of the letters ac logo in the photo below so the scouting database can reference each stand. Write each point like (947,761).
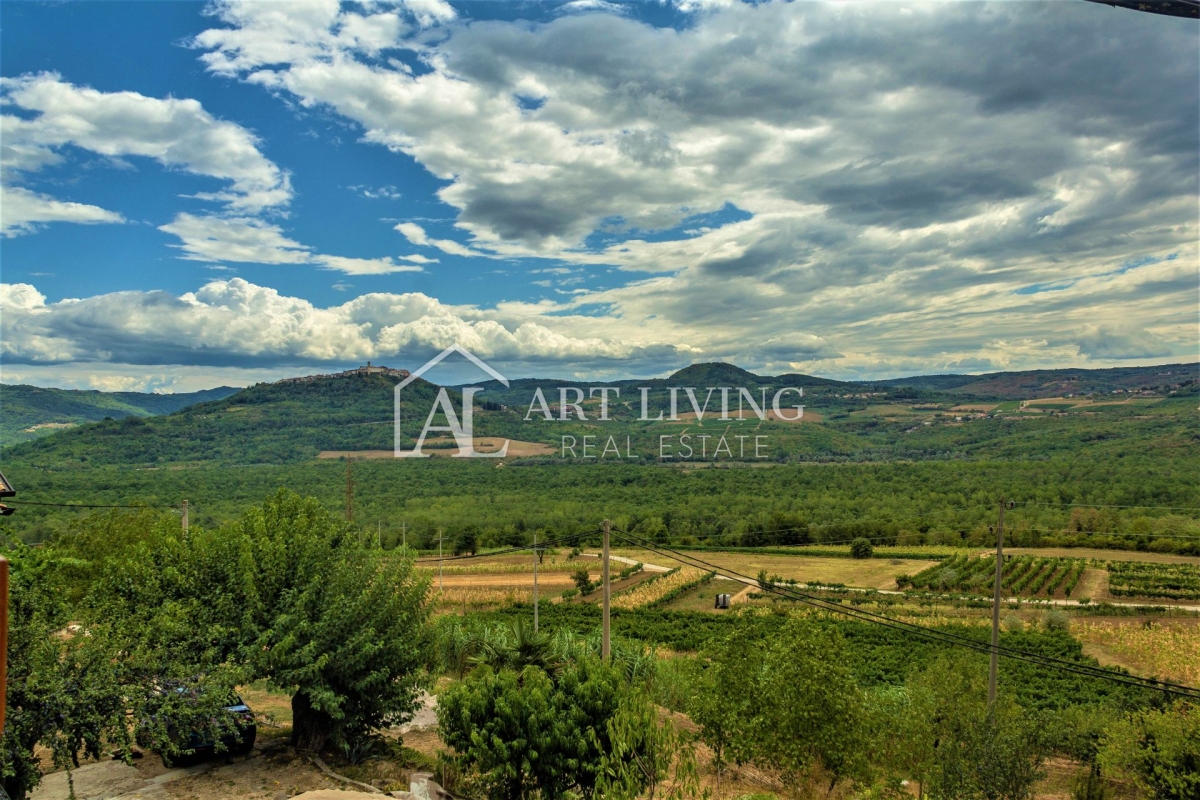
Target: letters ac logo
(462,430)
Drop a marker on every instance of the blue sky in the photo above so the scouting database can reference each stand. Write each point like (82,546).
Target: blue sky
(207,193)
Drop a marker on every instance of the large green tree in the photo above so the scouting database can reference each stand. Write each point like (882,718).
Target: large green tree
(289,593)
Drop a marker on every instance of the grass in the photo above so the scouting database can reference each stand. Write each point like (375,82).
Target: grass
(1169,650)
(870,573)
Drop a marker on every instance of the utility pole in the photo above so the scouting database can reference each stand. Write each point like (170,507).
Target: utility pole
(349,490)
(535,596)
(993,672)
(185,516)
(605,641)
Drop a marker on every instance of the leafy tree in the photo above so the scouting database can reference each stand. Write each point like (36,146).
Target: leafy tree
(644,753)
(789,700)
(332,617)
(289,593)
(811,711)
(583,580)
(1157,749)
(527,732)
(62,690)
(963,748)
(467,541)
(861,548)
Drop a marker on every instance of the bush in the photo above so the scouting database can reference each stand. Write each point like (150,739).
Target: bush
(583,581)
(1158,750)
(861,548)
(1058,620)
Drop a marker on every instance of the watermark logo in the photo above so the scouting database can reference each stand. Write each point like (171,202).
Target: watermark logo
(687,405)
(462,430)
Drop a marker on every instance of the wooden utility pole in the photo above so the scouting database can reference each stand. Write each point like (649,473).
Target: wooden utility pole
(349,490)
(3,640)
(994,670)
(605,641)
(535,596)
(185,516)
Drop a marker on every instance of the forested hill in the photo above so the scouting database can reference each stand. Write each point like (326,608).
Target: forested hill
(1041,383)
(27,412)
(297,420)
(269,422)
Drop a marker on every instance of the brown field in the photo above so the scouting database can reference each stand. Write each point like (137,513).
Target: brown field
(438,448)
(870,573)
(1166,648)
(524,580)
(982,408)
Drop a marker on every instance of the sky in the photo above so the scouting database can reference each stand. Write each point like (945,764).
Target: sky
(220,193)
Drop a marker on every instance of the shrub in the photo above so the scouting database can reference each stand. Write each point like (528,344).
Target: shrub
(583,580)
(861,548)
(1058,620)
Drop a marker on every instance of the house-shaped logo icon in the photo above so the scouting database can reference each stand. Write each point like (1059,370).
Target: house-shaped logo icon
(462,430)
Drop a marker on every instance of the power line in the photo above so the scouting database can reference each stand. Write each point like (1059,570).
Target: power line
(944,637)
(1098,505)
(508,551)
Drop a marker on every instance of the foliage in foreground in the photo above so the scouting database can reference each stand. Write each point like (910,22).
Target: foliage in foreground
(542,717)
(171,621)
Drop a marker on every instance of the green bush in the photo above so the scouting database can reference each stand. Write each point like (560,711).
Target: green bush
(861,548)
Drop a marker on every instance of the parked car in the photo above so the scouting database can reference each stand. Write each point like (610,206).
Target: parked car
(238,741)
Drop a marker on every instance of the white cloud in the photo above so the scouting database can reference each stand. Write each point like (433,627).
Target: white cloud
(241,239)
(253,241)
(21,210)
(237,321)
(176,132)
(366,266)
(417,235)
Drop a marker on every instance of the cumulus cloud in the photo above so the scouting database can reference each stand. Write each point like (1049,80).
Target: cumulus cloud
(235,322)
(176,132)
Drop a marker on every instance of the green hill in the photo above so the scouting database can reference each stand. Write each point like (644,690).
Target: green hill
(270,422)
(714,373)
(1030,384)
(295,420)
(27,412)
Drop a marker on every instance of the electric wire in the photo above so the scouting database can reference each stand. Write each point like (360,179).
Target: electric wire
(945,637)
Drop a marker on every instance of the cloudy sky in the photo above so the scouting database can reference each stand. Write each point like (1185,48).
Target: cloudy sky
(197,194)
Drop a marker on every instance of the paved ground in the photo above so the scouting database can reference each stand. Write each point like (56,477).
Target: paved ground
(111,779)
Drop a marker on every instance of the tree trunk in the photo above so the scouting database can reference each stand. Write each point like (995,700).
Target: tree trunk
(311,727)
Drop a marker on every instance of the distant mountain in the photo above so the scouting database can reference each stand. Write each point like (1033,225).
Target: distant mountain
(296,419)
(714,373)
(1031,384)
(27,412)
(269,422)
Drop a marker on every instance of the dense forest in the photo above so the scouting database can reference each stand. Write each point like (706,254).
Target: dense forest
(897,465)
